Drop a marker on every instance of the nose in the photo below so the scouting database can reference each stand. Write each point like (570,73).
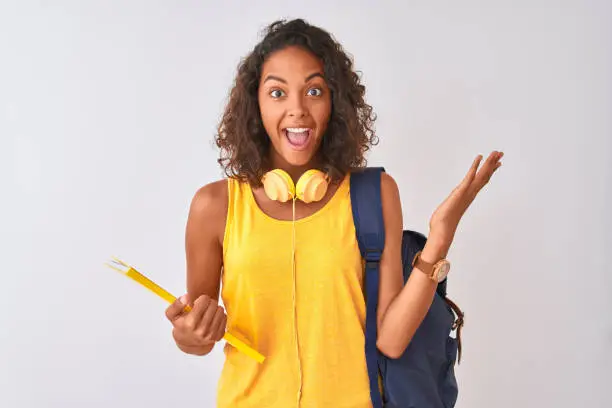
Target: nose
(297,108)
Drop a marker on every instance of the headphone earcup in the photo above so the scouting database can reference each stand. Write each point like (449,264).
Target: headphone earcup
(278,185)
(311,186)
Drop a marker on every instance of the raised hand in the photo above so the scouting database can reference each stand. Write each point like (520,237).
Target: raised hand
(445,219)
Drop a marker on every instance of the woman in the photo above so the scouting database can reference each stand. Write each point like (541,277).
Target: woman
(291,271)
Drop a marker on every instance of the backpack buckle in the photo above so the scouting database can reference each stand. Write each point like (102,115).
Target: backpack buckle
(372,254)
(372,257)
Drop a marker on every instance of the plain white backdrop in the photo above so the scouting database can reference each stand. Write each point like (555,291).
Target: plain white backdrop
(107,116)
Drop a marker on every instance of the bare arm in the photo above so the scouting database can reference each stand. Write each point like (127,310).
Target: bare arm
(204,240)
(401,308)
(197,331)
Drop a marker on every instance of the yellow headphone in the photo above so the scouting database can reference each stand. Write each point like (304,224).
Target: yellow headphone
(311,186)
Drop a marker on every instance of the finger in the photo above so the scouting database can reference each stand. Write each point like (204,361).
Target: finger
(487,168)
(179,337)
(469,177)
(490,160)
(497,166)
(484,175)
(176,308)
(205,324)
(200,306)
(494,158)
(474,168)
(217,326)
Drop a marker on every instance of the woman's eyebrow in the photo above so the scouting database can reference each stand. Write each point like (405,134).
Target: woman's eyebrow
(279,79)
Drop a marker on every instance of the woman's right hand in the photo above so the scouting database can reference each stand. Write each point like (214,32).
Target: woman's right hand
(196,331)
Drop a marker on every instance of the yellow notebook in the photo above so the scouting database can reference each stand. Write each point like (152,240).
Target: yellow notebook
(132,273)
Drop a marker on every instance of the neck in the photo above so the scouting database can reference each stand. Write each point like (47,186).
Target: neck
(294,171)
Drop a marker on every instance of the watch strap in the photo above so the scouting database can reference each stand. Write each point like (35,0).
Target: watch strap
(425,267)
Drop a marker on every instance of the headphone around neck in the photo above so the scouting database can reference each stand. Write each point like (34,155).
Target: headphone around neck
(311,186)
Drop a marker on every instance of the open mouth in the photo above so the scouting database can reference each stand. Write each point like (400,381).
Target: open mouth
(298,137)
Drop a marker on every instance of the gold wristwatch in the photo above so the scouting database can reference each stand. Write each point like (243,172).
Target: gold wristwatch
(437,272)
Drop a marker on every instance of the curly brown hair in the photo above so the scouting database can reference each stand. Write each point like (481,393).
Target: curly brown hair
(241,136)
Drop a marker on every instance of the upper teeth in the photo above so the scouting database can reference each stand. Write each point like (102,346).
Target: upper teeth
(297,130)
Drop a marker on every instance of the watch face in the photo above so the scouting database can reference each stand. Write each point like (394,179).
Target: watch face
(443,270)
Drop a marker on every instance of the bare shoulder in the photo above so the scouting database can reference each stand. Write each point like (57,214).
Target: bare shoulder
(204,240)
(388,184)
(390,195)
(392,212)
(208,210)
(211,199)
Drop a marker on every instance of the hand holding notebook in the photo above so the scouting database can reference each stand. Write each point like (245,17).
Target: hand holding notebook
(216,316)
(198,330)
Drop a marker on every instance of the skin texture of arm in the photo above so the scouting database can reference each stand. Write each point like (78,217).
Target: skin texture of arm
(204,251)
(401,308)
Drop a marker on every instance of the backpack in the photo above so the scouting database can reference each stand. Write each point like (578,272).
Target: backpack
(423,376)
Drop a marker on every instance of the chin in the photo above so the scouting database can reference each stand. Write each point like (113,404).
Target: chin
(298,160)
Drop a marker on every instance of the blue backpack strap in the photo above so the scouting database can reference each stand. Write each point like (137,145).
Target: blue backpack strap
(369,226)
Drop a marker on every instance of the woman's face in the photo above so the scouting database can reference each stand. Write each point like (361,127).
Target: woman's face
(295,105)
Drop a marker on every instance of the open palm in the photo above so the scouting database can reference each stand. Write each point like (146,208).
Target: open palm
(445,219)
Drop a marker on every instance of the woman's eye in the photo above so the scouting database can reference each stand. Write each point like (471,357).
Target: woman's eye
(315,92)
(277,93)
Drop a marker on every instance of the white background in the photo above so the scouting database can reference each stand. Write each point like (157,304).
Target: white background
(107,116)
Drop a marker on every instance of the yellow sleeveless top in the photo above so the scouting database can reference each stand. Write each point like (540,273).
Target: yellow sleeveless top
(311,331)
